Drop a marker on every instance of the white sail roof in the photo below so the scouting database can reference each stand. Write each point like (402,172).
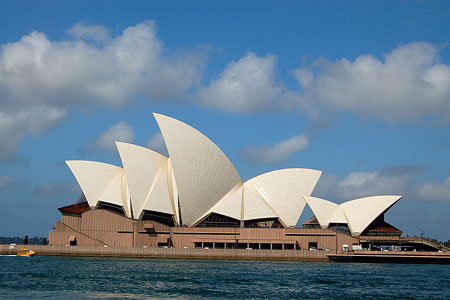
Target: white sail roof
(283,190)
(113,191)
(363,211)
(230,205)
(255,207)
(322,209)
(141,166)
(93,178)
(338,216)
(159,199)
(203,173)
(173,191)
(126,196)
(358,213)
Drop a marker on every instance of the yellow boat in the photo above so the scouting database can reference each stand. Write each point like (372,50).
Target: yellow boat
(26,252)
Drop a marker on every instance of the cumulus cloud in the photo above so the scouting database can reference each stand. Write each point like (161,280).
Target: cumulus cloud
(397,180)
(408,84)
(156,142)
(37,69)
(121,132)
(90,32)
(37,75)
(14,124)
(278,152)
(246,86)
(435,190)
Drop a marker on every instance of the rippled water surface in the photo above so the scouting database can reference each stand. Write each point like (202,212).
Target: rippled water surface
(122,278)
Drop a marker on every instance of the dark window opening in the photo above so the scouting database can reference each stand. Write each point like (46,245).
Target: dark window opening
(253,246)
(219,245)
(241,246)
(265,246)
(208,245)
(339,227)
(277,246)
(217,220)
(312,245)
(230,245)
(264,223)
(288,246)
(162,218)
(111,207)
(381,228)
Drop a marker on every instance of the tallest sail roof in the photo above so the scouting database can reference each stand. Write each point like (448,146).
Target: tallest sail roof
(204,173)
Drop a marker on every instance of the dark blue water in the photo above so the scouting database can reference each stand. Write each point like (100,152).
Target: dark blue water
(121,278)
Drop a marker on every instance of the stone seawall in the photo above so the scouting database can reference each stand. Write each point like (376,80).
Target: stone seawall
(407,257)
(186,253)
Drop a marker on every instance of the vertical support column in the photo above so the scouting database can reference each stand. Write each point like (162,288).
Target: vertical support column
(134,233)
(335,234)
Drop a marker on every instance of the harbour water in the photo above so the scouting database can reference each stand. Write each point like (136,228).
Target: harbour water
(46,277)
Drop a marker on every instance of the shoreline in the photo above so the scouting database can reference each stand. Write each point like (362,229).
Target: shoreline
(234,254)
(172,253)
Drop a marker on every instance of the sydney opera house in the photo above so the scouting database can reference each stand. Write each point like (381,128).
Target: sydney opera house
(195,198)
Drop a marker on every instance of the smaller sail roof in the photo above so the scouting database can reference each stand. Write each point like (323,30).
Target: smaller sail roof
(284,190)
(94,178)
(358,213)
(363,211)
(141,167)
(322,209)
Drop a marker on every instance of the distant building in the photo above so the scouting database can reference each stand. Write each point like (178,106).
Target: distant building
(196,198)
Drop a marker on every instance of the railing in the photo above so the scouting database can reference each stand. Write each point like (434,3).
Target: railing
(436,245)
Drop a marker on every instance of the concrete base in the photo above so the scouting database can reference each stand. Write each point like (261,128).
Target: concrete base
(185,253)
(392,257)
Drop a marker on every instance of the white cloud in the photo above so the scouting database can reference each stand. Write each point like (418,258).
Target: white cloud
(121,132)
(16,123)
(245,86)
(37,69)
(387,181)
(435,190)
(37,74)
(156,143)
(90,32)
(409,84)
(278,152)
(399,180)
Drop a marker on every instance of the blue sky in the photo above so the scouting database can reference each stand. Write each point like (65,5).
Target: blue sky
(357,89)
